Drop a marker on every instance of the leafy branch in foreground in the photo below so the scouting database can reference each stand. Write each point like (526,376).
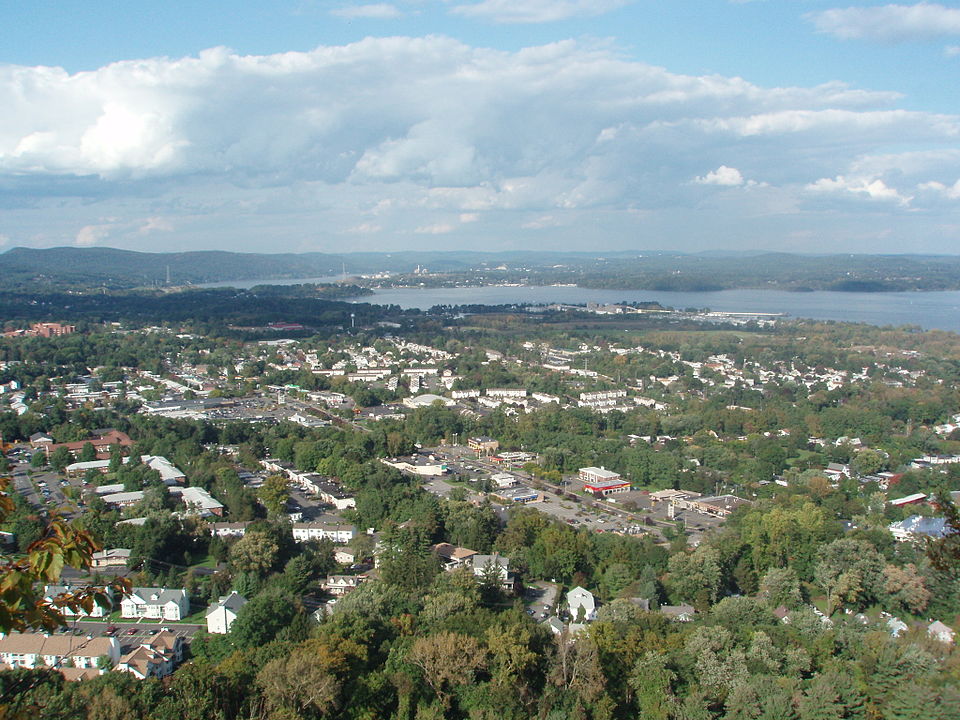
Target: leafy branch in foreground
(22,575)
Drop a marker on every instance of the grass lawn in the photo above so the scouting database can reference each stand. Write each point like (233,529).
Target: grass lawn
(207,562)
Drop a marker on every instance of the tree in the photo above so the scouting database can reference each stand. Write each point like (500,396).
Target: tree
(780,586)
(651,680)
(60,458)
(274,494)
(696,577)
(300,685)
(88,453)
(906,588)
(447,660)
(263,618)
(256,552)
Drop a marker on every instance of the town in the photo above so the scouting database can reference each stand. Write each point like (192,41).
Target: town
(245,488)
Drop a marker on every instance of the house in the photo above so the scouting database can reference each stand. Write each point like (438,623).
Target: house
(41,439)
(342,584)
(453,557)
(520,494)
(102,440)
(597,475)
(198,501)
(228,529)
(554,625)
(34,650)
(52,592)
(156,604)
(718,506)
(938,631)
(306,531)
(345,556)
(503,480)
(422,401)
(156,658)
(896,626)
(221,614)
(581,605)
(916,527)
(114,557)
(782,614)
(483,445)
(496,568)
(680,613)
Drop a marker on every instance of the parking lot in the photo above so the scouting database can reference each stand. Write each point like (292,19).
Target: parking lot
(132,634)
(541,599)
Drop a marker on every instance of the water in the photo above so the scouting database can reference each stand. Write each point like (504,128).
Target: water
(930,310)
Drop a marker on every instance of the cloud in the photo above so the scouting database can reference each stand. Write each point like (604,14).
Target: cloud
(874,189)
(950,192)
(535,11)
(365,229)
(952,50)
(156,224)
(435,229)
(91,234)
(542,222)
(394,133)
(889,23)
(723,175)
(373,11)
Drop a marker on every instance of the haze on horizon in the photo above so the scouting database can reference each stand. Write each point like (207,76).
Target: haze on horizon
(482,125)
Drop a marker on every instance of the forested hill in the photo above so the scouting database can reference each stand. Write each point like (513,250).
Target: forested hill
(92,268)
(125,268)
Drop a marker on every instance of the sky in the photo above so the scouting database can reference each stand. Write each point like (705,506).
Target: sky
(348,125)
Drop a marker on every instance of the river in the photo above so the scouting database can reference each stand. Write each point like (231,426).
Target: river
(930,310)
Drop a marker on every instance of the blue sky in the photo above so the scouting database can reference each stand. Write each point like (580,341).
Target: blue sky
(799,125)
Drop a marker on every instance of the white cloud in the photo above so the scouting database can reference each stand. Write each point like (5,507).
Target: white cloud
(365,229)
(723,175)
(872,188)
(373,11)
(535,11)
(542,222)
(4,239)
(952,50)
(435,229)
(951,192)
(393,133)
(90,235)
(156,224)
(889,23)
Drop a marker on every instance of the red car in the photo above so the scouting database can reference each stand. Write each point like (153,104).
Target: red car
(131,631)
(111,631)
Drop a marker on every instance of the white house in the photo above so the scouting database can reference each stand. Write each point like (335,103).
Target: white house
(31,650)
(941,632)
(220,615)
(156,604)
(51,592)
(304,532)
(343,584)
(494,567)
(581,605)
